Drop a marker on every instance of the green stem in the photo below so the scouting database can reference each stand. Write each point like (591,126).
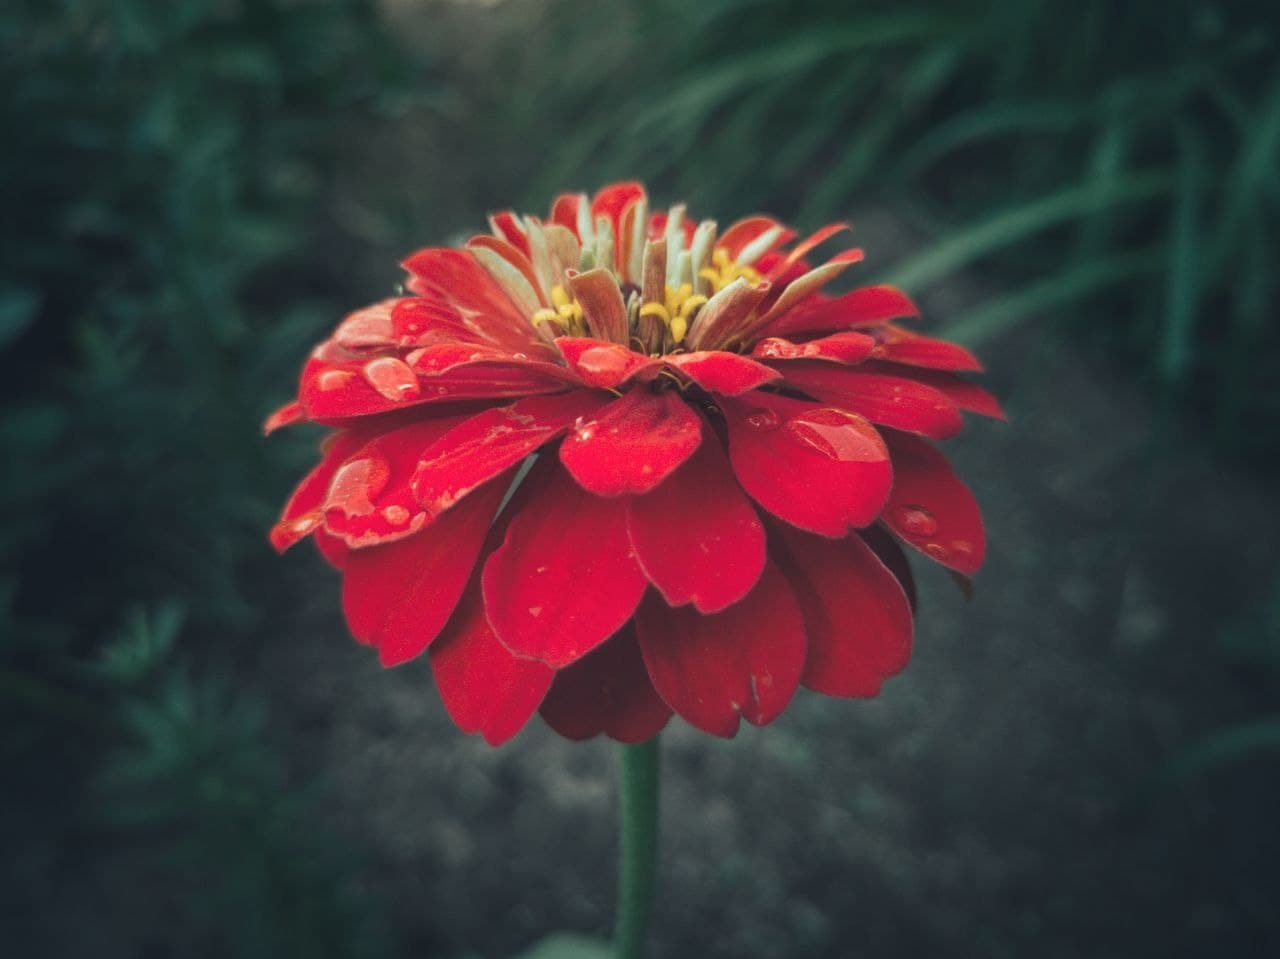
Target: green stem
(638,804)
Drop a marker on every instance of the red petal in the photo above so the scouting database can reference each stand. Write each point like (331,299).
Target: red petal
(484,688)
(633,444)
(606,692)
(867,306)
(495,440)
(565,577)
(607,365)
(331,548)
(744,662)
(902,402)
(515,258)
(931,509)
(740,234)
(847,348)
(697,536)
(507,226)
(457,279)
(856,614)
(797,253)
(901,346)
(292,412)
(302,515)
(397,597)
(564,211)
(369,499)
(817,468)
(966,395)
(728,374)
(890,553)
(614,198)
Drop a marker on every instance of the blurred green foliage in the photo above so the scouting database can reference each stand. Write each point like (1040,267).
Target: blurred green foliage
(1113,170)
(170,169)
(166,167)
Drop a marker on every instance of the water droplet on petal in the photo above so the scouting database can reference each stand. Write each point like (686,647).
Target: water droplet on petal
(395,515)
(916,521)
(392,378)
(583,429)
(962,546)
(838,435)
(604,360)
(355,485)
(305,524)
(519,356)
(764,420)
(334,379)
(937,551)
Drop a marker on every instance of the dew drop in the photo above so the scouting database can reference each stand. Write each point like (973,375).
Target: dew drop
(916,521)
(937,551)
(305,524)
(604,361)
(333,379)
(963,547)
(355,485)
(519,356)
(395,515)
(583,429)
(764,420)
(392,378)
(838,435)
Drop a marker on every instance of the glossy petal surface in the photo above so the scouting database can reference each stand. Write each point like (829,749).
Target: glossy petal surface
(821,469)
(633,444)
(565,578)
(369,499)
(856,615)
(398,597)
(838,347)
(484,687)
(697,536)
(725,373)
(495,440)
(930,509)
(901,402)
(606,365)
(743,663)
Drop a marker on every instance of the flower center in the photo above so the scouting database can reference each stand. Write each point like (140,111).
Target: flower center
(675,310)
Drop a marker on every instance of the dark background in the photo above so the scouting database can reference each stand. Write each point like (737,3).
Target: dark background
(1082,761)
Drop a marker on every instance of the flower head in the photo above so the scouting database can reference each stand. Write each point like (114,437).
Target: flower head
(615,463)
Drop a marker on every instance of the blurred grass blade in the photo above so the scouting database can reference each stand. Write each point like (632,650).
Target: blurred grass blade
(1007,310)
(968,245)
(1183,275)
(1228,747)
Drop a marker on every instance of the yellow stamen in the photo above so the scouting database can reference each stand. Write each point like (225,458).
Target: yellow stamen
(658,310)
(724,271)
(567,313)
(691,304)
(550,316)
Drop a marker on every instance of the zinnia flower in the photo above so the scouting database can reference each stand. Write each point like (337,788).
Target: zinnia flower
(716,466)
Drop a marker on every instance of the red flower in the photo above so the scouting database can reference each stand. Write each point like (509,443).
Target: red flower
(724,462)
